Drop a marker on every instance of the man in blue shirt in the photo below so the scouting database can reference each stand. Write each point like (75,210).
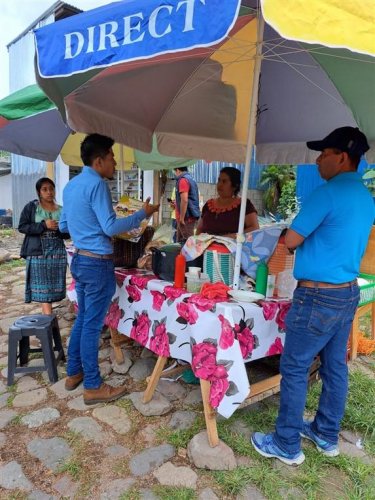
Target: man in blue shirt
(89,217)
(330,235)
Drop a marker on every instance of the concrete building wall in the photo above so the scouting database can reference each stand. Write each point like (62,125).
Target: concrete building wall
(6,191)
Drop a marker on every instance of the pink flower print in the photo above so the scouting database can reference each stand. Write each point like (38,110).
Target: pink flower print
(204,360)
(220,372)
(219,387)
(173,293)
(187,313)
(269,309)
(281,315)
(276,348)
(140,281)
(134,293)
(114,315)
(72,285)
(141,327)
(159,343)
(157,300)
(246,340)
(201,302)
(227,334)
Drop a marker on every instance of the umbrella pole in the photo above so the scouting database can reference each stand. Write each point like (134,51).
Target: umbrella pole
(122,168)
(250,142)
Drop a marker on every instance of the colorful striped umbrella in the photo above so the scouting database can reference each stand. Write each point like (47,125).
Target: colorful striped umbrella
(196,103)
(30,125)
(215,102)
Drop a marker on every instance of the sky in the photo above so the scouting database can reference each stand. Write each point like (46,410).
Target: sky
(16,16)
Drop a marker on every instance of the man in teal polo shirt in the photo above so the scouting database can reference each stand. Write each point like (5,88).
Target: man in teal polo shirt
(330,235)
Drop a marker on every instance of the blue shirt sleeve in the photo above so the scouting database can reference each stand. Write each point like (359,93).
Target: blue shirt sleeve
(102,206)
(63,223)
(315,209)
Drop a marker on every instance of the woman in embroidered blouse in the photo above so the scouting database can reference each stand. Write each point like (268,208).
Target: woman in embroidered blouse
(220,215)
(43,248)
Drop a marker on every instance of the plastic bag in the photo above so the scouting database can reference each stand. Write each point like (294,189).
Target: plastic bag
(125,207)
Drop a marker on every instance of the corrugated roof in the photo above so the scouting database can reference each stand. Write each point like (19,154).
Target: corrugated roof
(59,9)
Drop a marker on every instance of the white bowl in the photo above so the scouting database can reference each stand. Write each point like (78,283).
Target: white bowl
(245,296)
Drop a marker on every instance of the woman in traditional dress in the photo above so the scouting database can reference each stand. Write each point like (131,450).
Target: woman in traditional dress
(220,216)
(43,248)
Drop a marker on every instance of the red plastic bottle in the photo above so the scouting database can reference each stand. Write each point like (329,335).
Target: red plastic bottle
(179,271)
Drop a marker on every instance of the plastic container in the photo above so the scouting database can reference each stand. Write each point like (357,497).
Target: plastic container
(261,278)
(195,270)
(366,283)
(194,283)
(286,284)
(179,271)
(271,284)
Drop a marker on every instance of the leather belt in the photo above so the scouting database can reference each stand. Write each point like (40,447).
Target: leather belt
(107,256)
(322,284)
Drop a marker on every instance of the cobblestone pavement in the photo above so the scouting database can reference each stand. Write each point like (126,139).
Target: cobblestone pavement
(54,446)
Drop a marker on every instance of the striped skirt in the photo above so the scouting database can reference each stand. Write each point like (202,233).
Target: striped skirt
(46,274)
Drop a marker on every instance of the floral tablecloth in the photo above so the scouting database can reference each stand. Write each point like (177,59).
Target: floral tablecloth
(216,338)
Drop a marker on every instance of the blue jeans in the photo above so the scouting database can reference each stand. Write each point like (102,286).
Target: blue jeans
(95,287)
(318,323)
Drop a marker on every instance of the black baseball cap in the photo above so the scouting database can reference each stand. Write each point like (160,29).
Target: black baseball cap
(347,139)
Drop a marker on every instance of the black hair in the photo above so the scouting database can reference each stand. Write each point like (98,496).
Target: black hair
(355,159)
(94,146)
(41,181)
(235,178)
(182,169)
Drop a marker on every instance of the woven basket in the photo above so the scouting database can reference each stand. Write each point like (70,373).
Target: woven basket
(218,263)
(368,261)
(126,253)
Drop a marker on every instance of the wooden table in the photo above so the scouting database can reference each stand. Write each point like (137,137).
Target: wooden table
(258,391)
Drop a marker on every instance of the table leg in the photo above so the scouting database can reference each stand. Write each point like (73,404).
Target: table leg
(209,414)
(119,355)
(154,379)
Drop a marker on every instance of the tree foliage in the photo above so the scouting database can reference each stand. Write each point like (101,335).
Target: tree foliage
(274,177)
(288,203)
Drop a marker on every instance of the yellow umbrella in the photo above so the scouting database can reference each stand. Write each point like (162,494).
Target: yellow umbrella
(334,23)
(70,153)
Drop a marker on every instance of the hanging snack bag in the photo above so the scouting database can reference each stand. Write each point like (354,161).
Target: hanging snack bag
(128,206)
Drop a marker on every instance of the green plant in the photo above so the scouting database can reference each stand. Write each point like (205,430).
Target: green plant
(369,179)
(288,203)
(263,475)
(131,494)
(172,492)
(360,413)
(6,233)
(273,178)
(73,467)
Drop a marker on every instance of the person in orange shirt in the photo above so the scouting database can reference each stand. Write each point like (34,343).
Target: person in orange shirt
(187,204)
